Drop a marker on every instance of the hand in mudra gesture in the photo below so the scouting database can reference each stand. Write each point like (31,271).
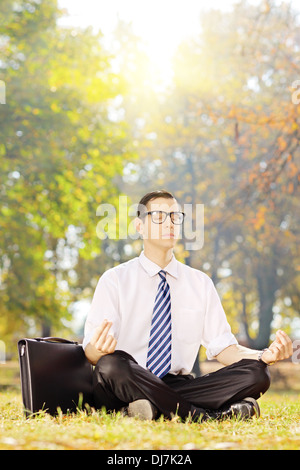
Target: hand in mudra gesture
(281,348)
(102,343)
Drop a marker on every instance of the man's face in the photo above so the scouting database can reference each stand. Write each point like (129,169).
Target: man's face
(162,234)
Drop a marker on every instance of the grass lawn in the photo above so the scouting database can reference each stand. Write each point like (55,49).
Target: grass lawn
(278,428)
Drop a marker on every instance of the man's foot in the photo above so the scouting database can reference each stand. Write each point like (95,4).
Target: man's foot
(143,409)
(244,409)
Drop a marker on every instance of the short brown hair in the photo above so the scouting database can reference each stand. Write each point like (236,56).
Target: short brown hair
(150,196)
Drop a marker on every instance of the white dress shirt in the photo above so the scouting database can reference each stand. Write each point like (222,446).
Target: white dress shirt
(125,295)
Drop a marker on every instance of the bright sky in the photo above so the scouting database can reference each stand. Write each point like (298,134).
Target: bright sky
(150,18)
(162,24)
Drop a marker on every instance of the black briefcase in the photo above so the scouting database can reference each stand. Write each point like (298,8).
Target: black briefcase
(55,375)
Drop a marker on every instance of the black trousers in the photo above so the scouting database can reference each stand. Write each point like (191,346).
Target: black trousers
(118,380)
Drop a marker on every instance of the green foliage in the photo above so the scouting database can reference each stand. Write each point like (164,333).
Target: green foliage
(82,125)
(60,153)
(227,136)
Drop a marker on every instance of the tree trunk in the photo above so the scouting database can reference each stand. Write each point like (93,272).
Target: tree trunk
(266,292)
(266,288)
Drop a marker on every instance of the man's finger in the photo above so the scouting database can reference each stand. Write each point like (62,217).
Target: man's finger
(112,346)
(275,349)
(101,341)
(286,342)
(98,332)
(281,339)
(104,329)
(108,342)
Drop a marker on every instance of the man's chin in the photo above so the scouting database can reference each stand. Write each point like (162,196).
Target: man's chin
(163,242)
(167,242)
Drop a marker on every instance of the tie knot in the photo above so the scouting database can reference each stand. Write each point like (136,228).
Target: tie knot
(162,275)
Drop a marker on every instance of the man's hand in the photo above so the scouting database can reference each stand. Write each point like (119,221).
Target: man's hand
(281,348)
(101,343)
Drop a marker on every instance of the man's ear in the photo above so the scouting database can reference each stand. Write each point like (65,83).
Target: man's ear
(139,226)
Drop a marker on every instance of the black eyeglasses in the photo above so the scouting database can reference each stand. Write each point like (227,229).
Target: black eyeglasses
(158,217)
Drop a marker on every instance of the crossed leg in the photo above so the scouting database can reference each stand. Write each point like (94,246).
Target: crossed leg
(118,380)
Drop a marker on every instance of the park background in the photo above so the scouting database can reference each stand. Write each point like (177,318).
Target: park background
(101,101)
(108,101)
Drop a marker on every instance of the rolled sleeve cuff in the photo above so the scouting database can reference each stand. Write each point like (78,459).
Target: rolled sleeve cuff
(219,344)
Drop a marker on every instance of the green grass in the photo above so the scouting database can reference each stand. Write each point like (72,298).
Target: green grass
(278,428)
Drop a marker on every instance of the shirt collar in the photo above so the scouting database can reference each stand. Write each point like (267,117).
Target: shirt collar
(152,268)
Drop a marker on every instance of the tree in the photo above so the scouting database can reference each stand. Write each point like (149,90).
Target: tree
(60,152)
(227,136)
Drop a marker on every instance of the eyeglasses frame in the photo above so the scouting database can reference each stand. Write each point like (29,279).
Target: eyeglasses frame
(166,215)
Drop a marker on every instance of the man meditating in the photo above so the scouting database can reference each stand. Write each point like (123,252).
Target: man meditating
(147,320)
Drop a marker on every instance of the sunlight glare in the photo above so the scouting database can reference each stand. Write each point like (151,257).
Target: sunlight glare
(161,24)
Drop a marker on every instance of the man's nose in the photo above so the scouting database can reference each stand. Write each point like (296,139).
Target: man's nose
(168,221)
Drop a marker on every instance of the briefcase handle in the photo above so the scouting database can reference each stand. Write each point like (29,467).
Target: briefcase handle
(54,339)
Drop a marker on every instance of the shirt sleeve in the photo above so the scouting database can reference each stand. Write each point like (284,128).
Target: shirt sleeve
(104,306)
(217,333)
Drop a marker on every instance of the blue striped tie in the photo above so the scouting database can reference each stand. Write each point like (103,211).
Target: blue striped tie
(159,349)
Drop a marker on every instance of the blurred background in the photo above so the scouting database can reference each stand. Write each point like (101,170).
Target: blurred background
(105,99)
